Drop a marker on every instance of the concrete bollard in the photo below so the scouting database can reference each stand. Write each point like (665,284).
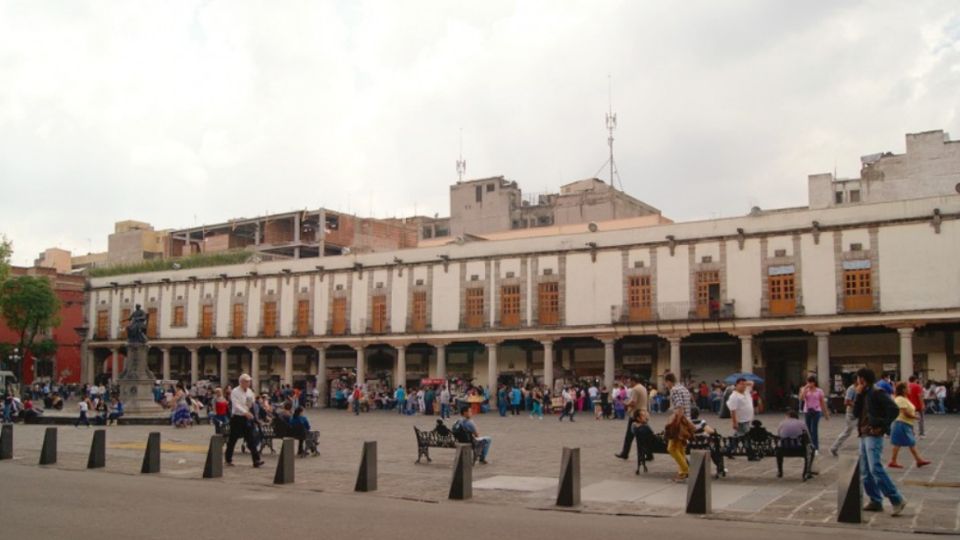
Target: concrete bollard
(568,493)
(48,454)
(461,488)
(6,442)
(151,455)
(699,494)
(849,495)
(284,474)
(367,475)
(98,450)
(213,468)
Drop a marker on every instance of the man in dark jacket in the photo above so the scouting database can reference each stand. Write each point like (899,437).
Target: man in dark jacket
(875,410)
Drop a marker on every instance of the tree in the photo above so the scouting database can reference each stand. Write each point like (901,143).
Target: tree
(6,249)
(29,307)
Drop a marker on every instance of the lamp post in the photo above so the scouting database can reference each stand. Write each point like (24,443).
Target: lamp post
(13,359)
(85,365)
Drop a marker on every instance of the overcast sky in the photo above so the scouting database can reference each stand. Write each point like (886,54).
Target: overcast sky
(179,113)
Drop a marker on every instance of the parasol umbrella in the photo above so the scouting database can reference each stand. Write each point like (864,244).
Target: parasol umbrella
(731,379)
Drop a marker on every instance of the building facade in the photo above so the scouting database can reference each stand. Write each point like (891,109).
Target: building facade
(779,293)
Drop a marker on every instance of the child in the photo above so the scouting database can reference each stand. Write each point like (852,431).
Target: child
(84,407)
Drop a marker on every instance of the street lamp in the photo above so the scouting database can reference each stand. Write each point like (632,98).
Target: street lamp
(86,375)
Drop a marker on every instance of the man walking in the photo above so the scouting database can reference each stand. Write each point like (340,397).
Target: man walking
(401,397)
(679,395)
(638,402)
(241,421)
(850,421)
(445,402)
(915,395)
(875,411)
(740,406)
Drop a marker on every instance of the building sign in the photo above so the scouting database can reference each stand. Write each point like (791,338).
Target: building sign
(783,270)
(856,265)
(637,360)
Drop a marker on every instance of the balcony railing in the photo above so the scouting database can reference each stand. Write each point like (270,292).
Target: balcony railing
(674,311)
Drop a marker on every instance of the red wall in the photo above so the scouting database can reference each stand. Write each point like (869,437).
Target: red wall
(69,290)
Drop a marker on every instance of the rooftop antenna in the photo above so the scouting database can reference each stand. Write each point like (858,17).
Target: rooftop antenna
(611,121)
(461,163)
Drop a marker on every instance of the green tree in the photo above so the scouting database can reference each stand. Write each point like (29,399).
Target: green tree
(29,307)
(6,249)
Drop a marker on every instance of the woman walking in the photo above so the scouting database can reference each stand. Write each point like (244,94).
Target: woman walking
(814,405)
(181,414)
(901,433)
(537,404)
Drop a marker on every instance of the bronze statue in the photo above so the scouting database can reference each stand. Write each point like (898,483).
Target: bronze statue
(137,327)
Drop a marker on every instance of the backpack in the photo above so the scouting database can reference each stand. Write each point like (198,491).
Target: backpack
(724,410)
(461,434)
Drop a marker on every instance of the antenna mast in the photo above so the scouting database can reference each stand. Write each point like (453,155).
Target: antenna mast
(461,163)
(611,126)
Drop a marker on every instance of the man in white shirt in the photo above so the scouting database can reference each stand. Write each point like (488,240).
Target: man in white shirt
(241,421)
(740,404)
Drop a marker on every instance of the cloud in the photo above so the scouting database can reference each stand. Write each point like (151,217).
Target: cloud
(164,111)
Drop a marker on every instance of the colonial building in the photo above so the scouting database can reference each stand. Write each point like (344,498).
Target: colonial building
(782,293)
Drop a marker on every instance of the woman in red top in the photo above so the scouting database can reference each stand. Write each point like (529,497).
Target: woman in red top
(220,409)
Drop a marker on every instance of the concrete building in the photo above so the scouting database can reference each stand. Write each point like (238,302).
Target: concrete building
(781,293)
(133,242)
(930,167)
(56,258)
(493,205)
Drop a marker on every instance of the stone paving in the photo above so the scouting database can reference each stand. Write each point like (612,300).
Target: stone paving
(525,463)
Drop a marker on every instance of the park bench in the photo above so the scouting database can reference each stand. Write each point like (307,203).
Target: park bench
(440,437)
(265,435)
(755,448)
(657,444)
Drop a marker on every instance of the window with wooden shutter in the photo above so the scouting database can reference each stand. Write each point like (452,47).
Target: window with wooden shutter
(783,298)
(510,306)
(708,293)
(378,314)
(639,298)
(269,319)
(124,321)
(152,323)
(475,307)
(303,318)
(103,324)
(418,319)
(238,320)
(339,325)
(206,321)
(857,290)
(179,316)
(548,303)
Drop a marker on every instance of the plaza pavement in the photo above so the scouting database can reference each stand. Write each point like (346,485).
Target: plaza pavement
(525,463)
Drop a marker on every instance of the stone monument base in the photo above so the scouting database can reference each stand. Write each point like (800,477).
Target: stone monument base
(136,385)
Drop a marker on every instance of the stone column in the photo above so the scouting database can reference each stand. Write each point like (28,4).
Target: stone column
(224,379)
(548,363)
(322,375)
(906,353)
(675,356)
(255,369)
(401,378)
(492,371)
(194,365)
(115,366)
(361,364)
(746,353)
(441,361)
(166,363)
(609,366)
(91,359)
(823,360)
(288,365)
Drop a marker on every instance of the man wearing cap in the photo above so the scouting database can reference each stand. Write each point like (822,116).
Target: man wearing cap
(241,421)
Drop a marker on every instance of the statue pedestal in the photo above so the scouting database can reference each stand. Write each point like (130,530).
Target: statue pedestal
(136,384)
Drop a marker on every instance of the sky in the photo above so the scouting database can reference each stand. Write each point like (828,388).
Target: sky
(191,112)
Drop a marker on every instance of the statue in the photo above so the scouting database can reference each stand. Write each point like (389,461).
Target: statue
(137,327)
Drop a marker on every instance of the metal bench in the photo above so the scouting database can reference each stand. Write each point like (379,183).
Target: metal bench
(770,445)
(657,444)
(440,437)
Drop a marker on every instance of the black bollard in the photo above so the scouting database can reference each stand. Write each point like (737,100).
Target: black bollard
(461,488)
(699,494)
(98,450)
(284,473)
(568,493)
(151,456)
(48,454)
(849,497)
(367,475)
(6,442)
(213,468)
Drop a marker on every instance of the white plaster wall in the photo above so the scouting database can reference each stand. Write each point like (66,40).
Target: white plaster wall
(744,280)
(446,297)
(286,307)
(509,265)
(855,236)
(419,272)
(254,307)
(192,297)
(550,261)
(359,310)
(706,249)
(476,268)
(641,254)
(224,316)
(593,287)
(918,268)
(779,242)
(321,304)
(116,299)
(398,303)
(673,275)
(818,275)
